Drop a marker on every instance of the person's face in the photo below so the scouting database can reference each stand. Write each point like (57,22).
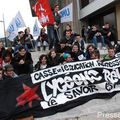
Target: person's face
(43,60)
(68,34)
(56,8)
(90,49)
(10,73)
(111,53)
(78,38)
(22,52)
(75,48)
(21,35)
(7,58)
(107,26)
(93,56)
(68,27)
(53,54)
(68,59)
(62,45)
(94,28)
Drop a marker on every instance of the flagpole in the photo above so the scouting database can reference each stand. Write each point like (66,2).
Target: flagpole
(3,21)
(4,31)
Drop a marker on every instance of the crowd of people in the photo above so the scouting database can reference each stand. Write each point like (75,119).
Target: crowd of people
(104,35)
(70,48)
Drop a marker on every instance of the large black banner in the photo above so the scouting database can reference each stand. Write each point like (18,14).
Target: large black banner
(59,88)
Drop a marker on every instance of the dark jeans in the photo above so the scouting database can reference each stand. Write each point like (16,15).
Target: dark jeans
(52,37)
(96,42)
(107,41)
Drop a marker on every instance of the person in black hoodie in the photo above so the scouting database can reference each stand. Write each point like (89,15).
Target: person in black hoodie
(109,34)
(96,37)
(61,46)
(23,61)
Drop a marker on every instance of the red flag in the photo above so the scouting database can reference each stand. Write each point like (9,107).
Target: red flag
(44,12)
(36,8)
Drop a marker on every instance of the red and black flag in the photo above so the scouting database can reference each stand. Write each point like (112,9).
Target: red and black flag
(18,97)
(44,13)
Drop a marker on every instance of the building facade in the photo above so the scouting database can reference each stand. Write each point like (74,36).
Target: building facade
(90,12)
(76,22)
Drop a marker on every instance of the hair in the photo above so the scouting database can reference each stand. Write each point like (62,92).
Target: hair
(69,25)
(41,57)
(21,47)
(111,47)
(25,31)
(8,67)
(7,53)
(91,45)
(107,23)
(52,50)
(62,41)
(20,32)
(42,30)
(68,31)
(76,44)
(77,35)
(96,53)
(55,5)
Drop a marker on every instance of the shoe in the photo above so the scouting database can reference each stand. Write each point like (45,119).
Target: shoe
(104,48)
(32,50)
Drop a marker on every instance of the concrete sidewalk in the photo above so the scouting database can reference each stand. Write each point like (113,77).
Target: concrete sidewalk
(96,109)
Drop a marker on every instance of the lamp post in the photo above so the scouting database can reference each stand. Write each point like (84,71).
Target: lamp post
(3,21)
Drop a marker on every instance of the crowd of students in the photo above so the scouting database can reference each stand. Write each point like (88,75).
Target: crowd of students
(70,48)
(96,34)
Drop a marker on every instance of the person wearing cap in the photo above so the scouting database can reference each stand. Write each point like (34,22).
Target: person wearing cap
(67,58)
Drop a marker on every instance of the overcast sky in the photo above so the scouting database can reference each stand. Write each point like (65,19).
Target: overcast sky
(10,8)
